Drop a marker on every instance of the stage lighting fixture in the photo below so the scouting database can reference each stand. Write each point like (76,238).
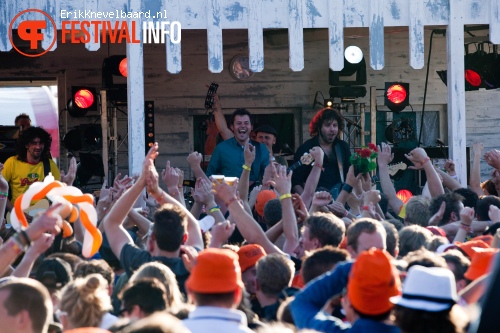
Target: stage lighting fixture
(83,99)
(149,124)
(328,102)
(397,95)
(114,72)
(353,54)
(404,195)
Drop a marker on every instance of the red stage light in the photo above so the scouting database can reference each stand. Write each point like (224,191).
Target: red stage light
(396,93)
(404,195)
(122,68)
(473,78)
(84,98)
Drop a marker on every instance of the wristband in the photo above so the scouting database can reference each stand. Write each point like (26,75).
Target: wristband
(159,196)
(427,159)
(15,246)
(454,176)
(230,201)
(465,227)
(366,208)
(319,166)
(285,196)
(347,188)
(175,193)
(20,242)
(25,237)
(246,167)
(4,194)
(214,209)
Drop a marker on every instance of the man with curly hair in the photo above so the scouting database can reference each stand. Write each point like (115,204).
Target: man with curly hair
(325,129)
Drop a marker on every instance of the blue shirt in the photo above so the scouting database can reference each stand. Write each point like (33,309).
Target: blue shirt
(306,308)
(228,159)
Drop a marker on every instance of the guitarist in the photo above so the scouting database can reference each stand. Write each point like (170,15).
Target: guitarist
(324,128)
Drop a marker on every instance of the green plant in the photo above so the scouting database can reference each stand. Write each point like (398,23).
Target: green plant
(363,159)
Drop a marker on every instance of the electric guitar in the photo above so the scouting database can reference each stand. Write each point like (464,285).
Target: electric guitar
(394,168)
(305,159)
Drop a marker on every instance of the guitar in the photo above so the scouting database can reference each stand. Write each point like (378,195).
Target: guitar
(394,168)
(305,159)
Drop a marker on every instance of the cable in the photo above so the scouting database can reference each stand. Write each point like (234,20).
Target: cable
(425,91)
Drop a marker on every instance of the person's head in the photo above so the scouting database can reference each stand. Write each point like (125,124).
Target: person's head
(159,322)
(169,229)
(363,234)
(274,273)
(429,294)
(143,297)
(321,260)
(327,123)
(480,263)
(458,264)
(165,275)
(392,238)
(215,280)
(25,306)
(321,229)
(266,134)
(248,255)
(454,206)
(424,258)
(470,197)
(34,142)
(92,266)
(489,188)
(417,211)
(262,198)
(72,259)
(84,302)
(436,241)
(483,206)
(272,212)
(241,125)
(372,281)
(23,120)
(54,273)
(412,238)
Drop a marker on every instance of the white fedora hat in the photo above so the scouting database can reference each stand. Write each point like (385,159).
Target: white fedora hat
(429,289)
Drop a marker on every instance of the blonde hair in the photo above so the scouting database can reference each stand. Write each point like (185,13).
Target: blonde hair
(86,300)
(165,275)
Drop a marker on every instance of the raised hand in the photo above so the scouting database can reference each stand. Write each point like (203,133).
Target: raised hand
(282,182)
(170,176)
(492,157)
(418,157)
(194,159)
(318,154)
(337,209)
(494,213)
(321,199)
(221,232)
(449,167)
(48,222)
(69,178)
(467,215)
(149,173)
(385,154)
(299,207)
(249,153)
(203,191)
(223,190)
(436,218)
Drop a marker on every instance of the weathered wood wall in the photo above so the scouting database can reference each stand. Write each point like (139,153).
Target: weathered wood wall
(179,96)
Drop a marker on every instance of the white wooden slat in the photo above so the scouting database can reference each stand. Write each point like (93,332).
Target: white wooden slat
(336,34)
(255,36)
(495,21)
(214,35)
(135,100)
(296,35)
(173,51)
(376,25)
(93,6)
(456,89)
(416,32)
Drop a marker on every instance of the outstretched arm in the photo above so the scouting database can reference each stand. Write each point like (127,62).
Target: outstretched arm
(248,227)
(151,178)
(220,121)
(385,157)
(475,173)
(420,160)
(312,180)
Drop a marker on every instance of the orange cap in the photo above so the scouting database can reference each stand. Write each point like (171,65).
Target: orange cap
(372,281)
(216,271)
(262,198)
(485,238)
(466,247)
(248,255)
(480,262)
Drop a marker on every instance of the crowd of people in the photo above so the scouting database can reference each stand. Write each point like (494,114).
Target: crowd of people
(316,249)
